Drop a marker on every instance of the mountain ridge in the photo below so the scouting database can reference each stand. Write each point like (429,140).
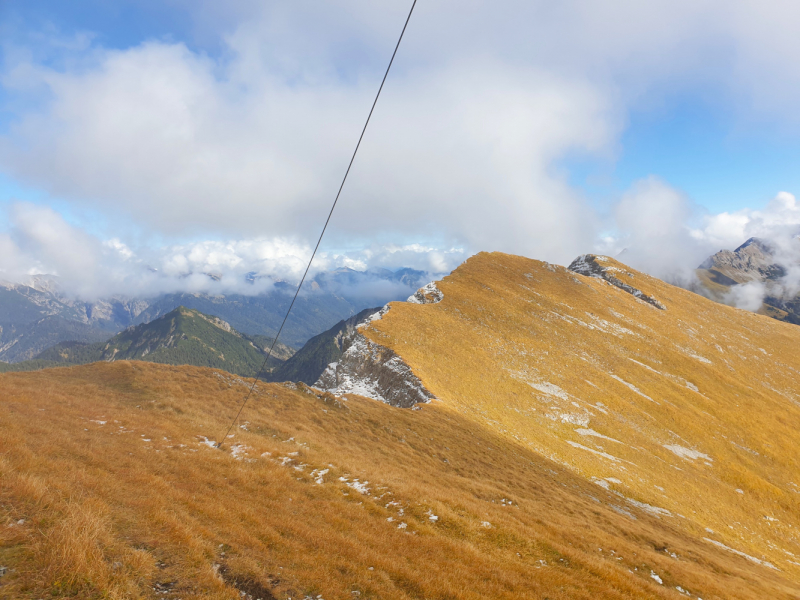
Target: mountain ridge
(182,336)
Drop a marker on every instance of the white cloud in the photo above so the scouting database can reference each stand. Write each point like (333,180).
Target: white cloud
(749,296)
(40,241)
(485,99)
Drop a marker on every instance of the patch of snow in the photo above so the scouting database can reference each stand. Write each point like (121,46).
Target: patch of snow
(593,433)
(687,453)
(656,578)
(632,387)
(574,419)
(622,511)
(238,451)
(317,475)
(649,508)
(359,486)
(752,559)
(207,442)
(603,454)
(549,389)
(376,316)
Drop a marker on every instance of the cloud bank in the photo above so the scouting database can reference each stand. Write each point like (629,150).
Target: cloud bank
(248,144)
(40,241)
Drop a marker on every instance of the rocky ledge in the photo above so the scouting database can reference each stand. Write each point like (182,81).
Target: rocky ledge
(371,370)
(588,265)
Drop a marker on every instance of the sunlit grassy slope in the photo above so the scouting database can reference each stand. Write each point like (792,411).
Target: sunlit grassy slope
(499,489)
(694,410)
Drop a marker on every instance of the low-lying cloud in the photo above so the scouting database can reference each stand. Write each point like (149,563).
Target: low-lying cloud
(40,241)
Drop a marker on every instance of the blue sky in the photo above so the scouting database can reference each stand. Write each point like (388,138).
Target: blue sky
(521,127)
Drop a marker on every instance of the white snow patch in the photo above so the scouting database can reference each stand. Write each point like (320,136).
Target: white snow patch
(649,508)
(656,578)
(317,475)
(593,433)
(549,388)
(574,419)
(359,486)
(633,388)
(208,442)
(687,452)
(603,454)
(742,554)
(238,451)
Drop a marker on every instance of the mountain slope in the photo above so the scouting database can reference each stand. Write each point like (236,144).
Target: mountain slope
(111,490)
(182,336)
(691,410)
(311,360)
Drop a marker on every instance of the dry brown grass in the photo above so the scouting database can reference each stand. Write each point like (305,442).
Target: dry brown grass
(137,505)
(107,514)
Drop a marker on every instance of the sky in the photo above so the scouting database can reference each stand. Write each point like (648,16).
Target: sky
(142,141)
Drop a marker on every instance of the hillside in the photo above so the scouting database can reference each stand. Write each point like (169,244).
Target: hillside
(311,360)
(182,336)
(689,408)
(592,433)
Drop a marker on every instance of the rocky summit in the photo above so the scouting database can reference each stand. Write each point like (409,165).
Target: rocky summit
(569,433)
(758,272)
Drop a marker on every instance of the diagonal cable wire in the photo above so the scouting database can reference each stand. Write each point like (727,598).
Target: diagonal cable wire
(322,233)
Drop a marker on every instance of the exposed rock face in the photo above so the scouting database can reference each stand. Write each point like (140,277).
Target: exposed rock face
(752,261)
(427,294)
(371,370)
(589,266)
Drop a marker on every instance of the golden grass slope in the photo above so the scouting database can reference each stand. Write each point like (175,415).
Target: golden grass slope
(694,411)
(108,489)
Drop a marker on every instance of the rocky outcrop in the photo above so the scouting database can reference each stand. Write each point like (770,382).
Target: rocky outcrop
(427,294)
(589,265)
(374,371)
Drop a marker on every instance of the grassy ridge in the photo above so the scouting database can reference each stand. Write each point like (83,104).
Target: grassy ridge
(693,410)
(118,496)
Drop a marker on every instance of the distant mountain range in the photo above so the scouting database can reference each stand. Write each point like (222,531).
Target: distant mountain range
(725,273)
(181,337)
(37,315)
